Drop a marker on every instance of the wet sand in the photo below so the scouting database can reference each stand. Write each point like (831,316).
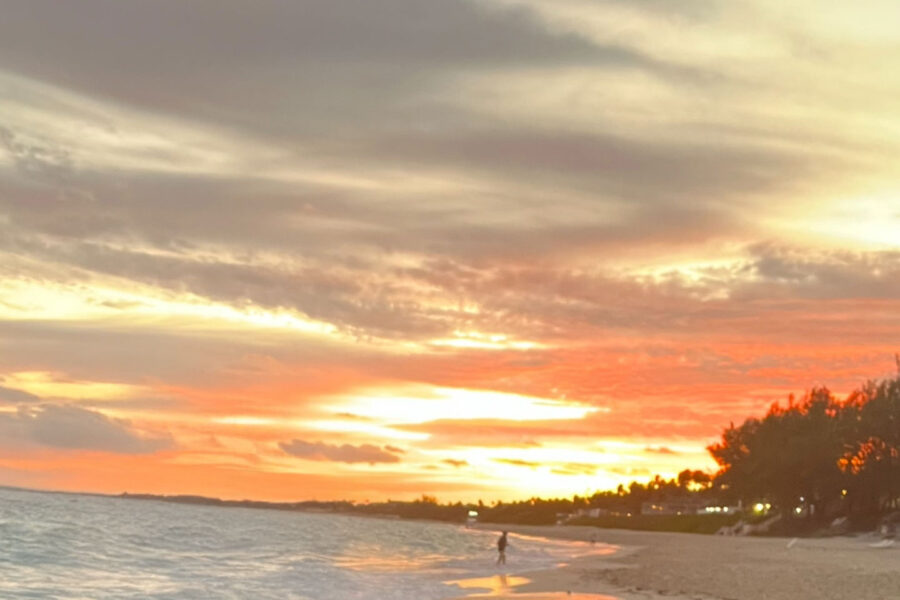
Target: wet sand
(677,566)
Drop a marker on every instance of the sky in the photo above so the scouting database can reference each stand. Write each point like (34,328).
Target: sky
(345,249)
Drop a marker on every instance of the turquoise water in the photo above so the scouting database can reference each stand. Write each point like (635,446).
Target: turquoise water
(76,546)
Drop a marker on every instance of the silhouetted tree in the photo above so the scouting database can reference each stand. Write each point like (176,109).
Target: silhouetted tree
(872,448)
(819,453)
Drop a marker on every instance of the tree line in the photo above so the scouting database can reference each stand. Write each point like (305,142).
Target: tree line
(820,456)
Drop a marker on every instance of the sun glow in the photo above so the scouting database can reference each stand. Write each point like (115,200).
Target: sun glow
(432,404)
(51,385)
(31,300)
(373,430)
(873,222)
(245,420)
(485,341)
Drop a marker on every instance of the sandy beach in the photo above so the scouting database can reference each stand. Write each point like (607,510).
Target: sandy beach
(676,566)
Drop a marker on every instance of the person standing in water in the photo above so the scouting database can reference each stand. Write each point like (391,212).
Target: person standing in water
(501,549)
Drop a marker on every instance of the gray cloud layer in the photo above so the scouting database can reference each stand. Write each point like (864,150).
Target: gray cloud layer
(74,428)
(14,396)
(283,64)
(346,453)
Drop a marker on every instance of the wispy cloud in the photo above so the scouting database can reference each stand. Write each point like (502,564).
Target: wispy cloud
(365,453)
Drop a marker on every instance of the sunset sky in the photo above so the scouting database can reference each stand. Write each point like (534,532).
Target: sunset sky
(472,248)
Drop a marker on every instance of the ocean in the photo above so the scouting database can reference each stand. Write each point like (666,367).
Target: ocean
(71,546)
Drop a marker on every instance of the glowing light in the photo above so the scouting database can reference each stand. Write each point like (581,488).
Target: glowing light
(497,585)
(540,470)
(257,317)
(485,341)
(872,222)
(243,420)
(41,301)
(432,404)
(369,429)
(50,385)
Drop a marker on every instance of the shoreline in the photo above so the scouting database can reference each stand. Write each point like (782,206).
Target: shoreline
(684,566)
(564,582)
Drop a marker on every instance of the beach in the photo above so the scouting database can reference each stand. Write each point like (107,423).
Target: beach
(678,566)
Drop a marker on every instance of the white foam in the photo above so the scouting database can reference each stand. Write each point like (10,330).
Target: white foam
(57,545)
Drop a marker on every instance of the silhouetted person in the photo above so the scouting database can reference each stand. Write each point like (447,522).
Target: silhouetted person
(501,549)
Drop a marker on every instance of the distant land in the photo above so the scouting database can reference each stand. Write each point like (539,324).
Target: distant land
(306,505)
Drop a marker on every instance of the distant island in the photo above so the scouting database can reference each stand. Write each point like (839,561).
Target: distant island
(813,466)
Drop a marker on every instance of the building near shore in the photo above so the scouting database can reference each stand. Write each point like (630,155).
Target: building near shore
(686,507)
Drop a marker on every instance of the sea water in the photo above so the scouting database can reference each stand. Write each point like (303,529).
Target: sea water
(91,547)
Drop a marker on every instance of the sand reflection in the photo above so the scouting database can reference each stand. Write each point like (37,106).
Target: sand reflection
(503,586)
(495,585)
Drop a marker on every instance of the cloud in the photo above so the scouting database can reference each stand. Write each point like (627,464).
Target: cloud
(14,396)
(455,463)
(630,471)
(484,433)
(346,453)
(660,450)
(616,168)
(575,469)
(533,298)
(517,462)
(312,65)
(73,428)
(784,271)
(135,403)
(352,416)
(40,161)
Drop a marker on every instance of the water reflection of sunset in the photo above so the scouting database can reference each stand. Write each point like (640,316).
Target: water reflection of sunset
(496,585)
(503,585)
